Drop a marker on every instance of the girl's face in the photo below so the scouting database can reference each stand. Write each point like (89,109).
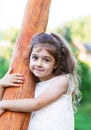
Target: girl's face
(42,63)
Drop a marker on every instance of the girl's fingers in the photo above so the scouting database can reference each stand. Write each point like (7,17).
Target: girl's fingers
(17,75)
(18,81)
(14,74)
(15,85)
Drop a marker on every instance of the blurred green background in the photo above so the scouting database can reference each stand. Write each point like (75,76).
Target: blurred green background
(78,35)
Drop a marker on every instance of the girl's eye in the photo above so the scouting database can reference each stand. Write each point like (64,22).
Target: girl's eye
(34,57)
(46,60)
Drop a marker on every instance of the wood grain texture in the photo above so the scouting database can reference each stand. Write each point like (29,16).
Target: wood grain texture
(34,21)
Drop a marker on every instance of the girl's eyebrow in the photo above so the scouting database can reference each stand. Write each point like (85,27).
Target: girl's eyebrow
(42,56)
(47,57)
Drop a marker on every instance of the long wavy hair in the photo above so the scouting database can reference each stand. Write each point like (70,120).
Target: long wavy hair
(58,47)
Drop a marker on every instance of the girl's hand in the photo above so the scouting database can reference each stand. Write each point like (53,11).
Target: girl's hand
(11,80)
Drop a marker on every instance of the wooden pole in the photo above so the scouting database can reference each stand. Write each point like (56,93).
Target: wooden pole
(34,21)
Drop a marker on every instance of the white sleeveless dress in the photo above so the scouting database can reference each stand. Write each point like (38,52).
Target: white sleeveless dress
(58,115)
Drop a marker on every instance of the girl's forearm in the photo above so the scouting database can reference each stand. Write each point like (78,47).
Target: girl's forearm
(22,105)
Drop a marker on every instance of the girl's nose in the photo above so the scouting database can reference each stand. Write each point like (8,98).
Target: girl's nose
(39,63)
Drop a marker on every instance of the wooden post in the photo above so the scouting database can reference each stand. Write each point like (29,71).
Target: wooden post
(34,21)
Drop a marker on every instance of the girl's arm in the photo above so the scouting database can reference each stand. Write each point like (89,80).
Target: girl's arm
(10,80)
(58,88)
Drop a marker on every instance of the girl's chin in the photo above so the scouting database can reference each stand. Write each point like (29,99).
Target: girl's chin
(38,75)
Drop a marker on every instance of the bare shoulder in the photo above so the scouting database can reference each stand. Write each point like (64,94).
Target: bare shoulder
(59,85)
(62,81)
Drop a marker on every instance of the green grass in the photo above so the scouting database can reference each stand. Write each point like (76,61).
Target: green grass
(83,117)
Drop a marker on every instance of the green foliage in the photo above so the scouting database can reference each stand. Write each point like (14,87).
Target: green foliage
(85,82)
(5,56)
(4,64)
(83,117)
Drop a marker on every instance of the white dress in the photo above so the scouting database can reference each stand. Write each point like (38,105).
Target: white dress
(58,115)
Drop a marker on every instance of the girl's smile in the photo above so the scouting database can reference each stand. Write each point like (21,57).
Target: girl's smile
(42,63)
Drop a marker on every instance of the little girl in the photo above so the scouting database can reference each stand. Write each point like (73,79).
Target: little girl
(53,66)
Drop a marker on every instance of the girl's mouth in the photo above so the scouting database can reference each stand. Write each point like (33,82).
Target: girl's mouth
(38,69)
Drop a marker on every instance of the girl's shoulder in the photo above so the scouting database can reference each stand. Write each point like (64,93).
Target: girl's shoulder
(65,80)
(62,77)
